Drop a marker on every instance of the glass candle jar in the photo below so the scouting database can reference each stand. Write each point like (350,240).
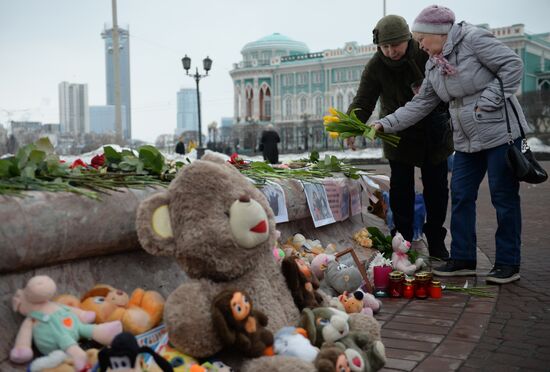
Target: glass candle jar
(422,281)
(395,288)
(435,289)
(381,280)
(408,288)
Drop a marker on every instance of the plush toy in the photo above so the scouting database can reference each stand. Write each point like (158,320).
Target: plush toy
(124,355)
(359,302)
(68,299)
(278,253)
(179,361)
(324,324)
(239,325)
(53,326)
(221,231)
(363,354)
(138,313)
(292,341)
(302,283)
(59,361)
(339,278)
(320,263)
(400,259)
(332,358)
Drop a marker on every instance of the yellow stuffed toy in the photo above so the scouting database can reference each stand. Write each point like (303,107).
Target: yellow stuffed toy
(138,313)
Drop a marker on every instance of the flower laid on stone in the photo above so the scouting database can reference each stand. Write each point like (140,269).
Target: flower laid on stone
(479,291)
(362,237)
(37,167)
(340,125)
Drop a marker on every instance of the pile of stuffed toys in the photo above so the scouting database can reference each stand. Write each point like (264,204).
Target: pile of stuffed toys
(246,302)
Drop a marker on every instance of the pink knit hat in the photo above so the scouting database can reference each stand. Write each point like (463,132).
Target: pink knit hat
(434,19)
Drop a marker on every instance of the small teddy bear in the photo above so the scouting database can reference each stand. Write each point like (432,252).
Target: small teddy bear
(138,313)
(359,302)
(239,325)
(400,259)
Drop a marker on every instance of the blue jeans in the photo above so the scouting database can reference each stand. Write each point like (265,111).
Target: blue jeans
(468,172)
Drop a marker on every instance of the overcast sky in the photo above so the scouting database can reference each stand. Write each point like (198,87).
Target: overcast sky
(44,42)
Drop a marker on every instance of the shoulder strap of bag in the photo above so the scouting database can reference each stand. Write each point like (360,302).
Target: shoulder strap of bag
(524,145)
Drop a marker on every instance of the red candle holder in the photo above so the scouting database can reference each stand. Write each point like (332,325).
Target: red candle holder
(408,288)
(381,276)
(422,289)
(435,289)
(395,288)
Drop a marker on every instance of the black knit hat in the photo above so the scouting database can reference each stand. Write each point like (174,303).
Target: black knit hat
(391,29)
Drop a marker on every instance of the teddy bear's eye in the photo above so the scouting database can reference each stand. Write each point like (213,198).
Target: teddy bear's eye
(238,308)
(323,322)
(226,213)
(99,300)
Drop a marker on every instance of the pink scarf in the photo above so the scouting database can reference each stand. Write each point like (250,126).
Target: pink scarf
(443,64)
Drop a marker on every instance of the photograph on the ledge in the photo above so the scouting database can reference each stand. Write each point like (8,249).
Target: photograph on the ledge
(355,198)
(318,204)
(275,195)
(338,198)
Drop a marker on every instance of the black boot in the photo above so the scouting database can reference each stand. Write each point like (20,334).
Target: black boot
(436,242)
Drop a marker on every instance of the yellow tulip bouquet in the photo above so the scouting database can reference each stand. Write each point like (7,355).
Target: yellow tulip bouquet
(340,125)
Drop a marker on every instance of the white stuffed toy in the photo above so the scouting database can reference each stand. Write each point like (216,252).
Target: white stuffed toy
(400,259)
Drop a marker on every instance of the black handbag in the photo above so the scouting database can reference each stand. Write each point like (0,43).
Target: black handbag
(522,161)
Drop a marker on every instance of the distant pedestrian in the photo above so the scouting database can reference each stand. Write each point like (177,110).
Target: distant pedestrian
(180,146)
(268,145)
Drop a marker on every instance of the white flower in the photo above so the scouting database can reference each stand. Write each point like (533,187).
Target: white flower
(378,260)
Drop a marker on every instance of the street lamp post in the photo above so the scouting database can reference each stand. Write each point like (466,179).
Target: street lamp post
(207,65)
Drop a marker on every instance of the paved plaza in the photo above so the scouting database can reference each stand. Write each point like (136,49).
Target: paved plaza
(510,332)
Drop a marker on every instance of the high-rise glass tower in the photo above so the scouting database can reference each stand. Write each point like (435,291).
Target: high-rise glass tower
(124,52)
(74,113)
(188,118)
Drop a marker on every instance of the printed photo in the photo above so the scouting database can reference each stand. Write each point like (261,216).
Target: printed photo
(275,195)
(355,197)
(344,203)
(318,204)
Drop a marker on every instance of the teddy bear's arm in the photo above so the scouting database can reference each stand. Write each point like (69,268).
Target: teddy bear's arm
(188,315)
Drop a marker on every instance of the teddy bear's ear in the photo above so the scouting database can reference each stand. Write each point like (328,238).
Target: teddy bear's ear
(377,355)
(154,227)
(214,158)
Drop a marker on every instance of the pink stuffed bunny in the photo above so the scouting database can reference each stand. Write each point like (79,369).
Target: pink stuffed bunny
(400,259)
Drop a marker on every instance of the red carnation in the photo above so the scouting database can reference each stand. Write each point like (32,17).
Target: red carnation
(235,159)
(98,161)
(78,163)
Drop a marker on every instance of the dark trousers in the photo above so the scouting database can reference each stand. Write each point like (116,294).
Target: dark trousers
(468,171)
(436,199)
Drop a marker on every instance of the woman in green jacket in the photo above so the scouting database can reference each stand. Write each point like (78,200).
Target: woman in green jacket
(391,76)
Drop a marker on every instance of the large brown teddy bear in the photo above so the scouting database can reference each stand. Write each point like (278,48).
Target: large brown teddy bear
(221,230)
